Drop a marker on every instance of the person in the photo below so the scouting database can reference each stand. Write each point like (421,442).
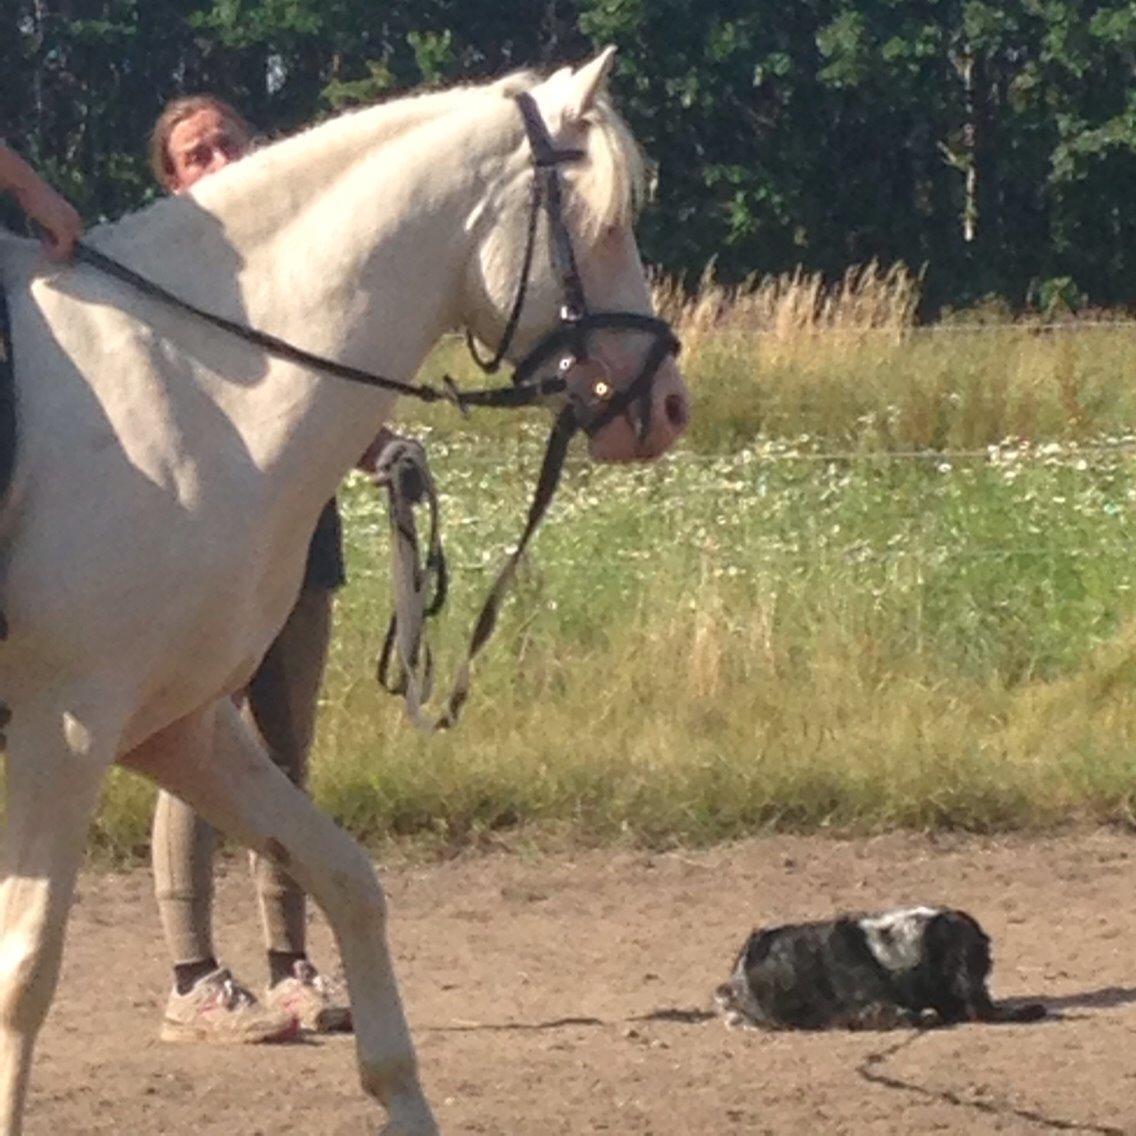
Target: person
(195,137)
(56,217)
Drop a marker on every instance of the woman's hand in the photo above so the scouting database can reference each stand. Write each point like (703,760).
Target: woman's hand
(61,225)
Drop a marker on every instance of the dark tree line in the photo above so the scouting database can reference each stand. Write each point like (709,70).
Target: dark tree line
(992,142)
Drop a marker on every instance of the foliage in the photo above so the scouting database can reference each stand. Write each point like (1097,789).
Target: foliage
(993,143)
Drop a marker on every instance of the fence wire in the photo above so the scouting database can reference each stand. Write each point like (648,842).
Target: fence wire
(991,328)
(522,456)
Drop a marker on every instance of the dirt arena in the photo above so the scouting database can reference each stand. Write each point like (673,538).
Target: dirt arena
(557,995)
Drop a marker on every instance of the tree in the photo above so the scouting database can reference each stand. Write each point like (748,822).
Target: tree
(992,141)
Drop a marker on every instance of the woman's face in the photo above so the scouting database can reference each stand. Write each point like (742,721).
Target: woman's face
(201,144)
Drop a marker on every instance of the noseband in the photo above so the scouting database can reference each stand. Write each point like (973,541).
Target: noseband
(591,403)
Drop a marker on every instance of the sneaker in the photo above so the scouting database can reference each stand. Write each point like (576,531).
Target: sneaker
(220,1010)
(319,1004)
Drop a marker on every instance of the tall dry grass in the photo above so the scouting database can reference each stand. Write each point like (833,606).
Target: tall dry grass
(787,355)
(794,308)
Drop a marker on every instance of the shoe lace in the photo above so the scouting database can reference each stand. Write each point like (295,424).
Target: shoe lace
(307,975)
(231,994)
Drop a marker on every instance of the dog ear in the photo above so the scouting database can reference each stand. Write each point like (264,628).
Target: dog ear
(758,946)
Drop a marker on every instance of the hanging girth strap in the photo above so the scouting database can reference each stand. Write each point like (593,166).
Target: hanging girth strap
(405,664)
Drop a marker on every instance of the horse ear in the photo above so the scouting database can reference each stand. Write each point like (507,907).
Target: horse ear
(587,83)
(567,95)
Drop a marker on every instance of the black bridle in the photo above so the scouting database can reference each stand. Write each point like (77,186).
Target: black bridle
(594,404)
(589,403)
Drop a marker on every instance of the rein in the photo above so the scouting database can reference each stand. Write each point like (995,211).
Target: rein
(283,349)
(591,403)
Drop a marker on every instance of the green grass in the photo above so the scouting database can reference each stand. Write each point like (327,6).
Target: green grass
(834,608)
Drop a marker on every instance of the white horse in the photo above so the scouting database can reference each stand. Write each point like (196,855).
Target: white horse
(169,477)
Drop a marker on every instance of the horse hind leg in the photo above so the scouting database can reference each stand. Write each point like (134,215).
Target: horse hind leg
(55,766)
(217,766)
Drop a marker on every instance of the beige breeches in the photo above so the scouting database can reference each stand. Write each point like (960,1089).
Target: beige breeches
(281,702)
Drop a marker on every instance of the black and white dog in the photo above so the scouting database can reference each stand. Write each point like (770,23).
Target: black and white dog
(912,966)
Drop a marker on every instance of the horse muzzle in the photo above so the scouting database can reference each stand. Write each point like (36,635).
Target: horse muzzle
(645,427)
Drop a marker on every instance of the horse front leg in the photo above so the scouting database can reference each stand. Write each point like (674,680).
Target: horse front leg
(55,765)
(219,768)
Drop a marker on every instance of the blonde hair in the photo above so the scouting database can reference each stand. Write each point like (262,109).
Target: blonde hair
(177,111)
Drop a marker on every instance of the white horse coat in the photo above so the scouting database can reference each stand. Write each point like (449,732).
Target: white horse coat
(169,477)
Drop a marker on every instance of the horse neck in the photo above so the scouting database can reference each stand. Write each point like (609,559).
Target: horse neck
(361,237)
(359,254)
(378,259)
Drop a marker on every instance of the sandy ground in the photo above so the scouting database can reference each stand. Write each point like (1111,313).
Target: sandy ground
(557,995)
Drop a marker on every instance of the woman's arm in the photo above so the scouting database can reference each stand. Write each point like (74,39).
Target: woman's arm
(41,203)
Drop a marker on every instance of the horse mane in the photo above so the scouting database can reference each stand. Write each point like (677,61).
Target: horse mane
(607,189)
(611,185)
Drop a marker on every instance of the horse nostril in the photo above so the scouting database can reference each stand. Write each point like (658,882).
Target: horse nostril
(675,408)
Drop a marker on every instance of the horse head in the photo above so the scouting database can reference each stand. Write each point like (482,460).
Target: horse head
(557,280)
